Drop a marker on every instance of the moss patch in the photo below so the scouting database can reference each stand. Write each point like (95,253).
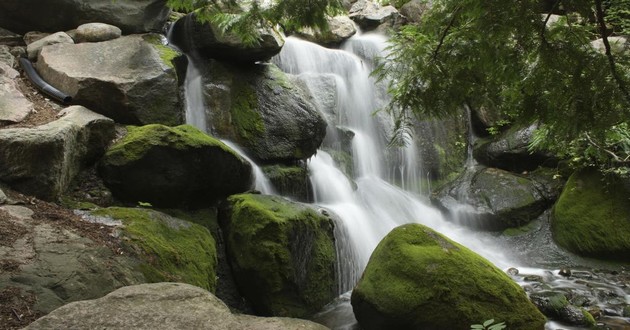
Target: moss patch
(167,54)
(173,250)
(418,279)
(247,120)
(521,230)
(282,254)
(592,217)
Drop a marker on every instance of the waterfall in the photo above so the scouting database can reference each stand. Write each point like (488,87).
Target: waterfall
(383,190)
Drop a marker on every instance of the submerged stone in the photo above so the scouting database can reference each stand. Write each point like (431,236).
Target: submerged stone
(418,279)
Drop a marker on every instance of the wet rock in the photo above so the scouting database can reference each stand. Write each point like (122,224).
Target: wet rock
(14,106)
(340,28)
(42,161)
(626,311)
(555,305)
(416,276)
(369,15)
(95,32)
(136,16)
(294,275)
(33,49)
(291,181)
(512,271)
(129,79)
(566,272)
(161,306)
(209,41)
(173,166)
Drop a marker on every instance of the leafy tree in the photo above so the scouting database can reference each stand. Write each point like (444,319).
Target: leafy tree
(244,18)
(509,57)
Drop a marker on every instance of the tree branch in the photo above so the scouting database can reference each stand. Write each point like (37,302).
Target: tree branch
(609,55)
(544,26)
(611,153)
(445,33)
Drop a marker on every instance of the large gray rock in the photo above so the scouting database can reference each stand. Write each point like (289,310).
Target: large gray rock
(161,306)
(42,161)
(173,166)
(492,199)
(33,49)
(340,28)
(130,79)
(369,15)
(414,10)
(294,273)
(56,264)
(136,16)
(95,32)
(207,40)
(510,151)
(262,109)
(14,106)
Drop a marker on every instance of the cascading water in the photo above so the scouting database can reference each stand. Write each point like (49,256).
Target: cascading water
(376,206)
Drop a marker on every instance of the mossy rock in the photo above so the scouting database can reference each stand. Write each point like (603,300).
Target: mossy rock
(173,250)
(173,167)
(282,254)
(592,217)
(291,181)
(418,279)
(555,305)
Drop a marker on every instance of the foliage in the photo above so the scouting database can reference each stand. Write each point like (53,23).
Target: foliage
(618,12)
(244,18)
(488,325)
(506,55)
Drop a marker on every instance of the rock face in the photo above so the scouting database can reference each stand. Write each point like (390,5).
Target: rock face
(496,199)
(56,265)
(418,279)
(282,254)
(14,106)
(136,16)
(171,249)
(510,151)
(42,161)
(592,217)
(173,166)
(161,306)
(208,41)
(261,109)
(130,79)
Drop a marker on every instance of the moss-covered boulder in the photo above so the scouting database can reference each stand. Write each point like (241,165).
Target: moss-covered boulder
(262,109)
(418,279)
(495,199)
(173,166)
(172,250)
(282,254)
(555,305)
(291,181)
(592,216)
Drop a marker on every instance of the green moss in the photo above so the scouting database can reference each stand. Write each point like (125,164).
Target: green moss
(246,119)
(590,320)
(139,139)
(418,279)
(71,203)
(283,255)
(592,217)
(521,230)
(167,54)
(204,217)
(173,250)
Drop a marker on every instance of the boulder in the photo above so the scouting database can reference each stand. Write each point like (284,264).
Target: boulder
(619,46)
(414,10)
(14,106)
(418,279)
(6,57)
(340,28)
(48,263)
(555,305)
(33,49)
(96,32)
(169,249)
(9,38)
(206,39)
(130,79)
(136,16)
(282,254)
(161,306)
(262,109)
(510,151)
(492,199)
(592,216)
(369,15)
(42,161)
(291,181)
(173,166)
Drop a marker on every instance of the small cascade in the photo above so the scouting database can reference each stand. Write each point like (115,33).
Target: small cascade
(193,92)
(263,184)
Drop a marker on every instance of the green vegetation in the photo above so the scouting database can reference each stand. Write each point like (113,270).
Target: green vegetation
(245,118)
(515,60)
(244,18)
(488,325)
(172,250)
(418,279)
(592,216)
(282,254)
(167,54)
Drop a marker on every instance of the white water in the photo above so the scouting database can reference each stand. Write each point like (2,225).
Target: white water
(262,184)
(377,205)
